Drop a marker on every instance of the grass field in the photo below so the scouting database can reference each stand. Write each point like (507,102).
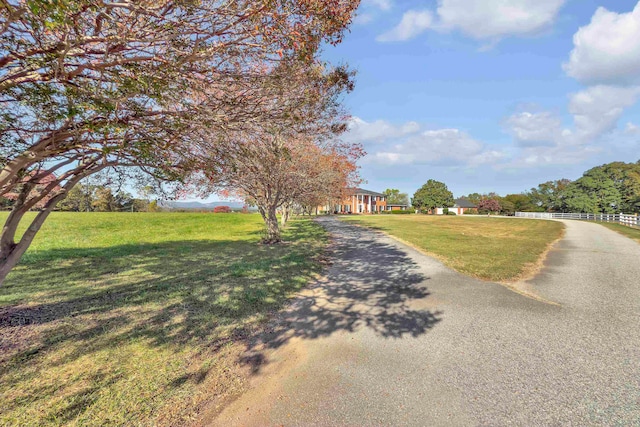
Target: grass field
(496,249)
(632,233)
(138,319)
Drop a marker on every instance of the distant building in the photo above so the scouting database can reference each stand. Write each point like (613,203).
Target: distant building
(361,201)
(397,207)
(460,207)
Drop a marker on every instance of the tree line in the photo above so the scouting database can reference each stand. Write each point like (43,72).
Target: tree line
(94,198)
(86,197)
(610,188)
(206,96)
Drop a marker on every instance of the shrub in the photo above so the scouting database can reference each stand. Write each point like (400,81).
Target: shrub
(407,212)
(222,209)
(471,212)
(451,213)
(445,211)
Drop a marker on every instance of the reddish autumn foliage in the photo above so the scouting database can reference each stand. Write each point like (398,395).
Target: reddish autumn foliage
(37,186)
(222,209)
(87,85)
(488,205)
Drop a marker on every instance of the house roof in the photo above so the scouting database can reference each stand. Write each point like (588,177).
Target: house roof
(366,192)
(464,203)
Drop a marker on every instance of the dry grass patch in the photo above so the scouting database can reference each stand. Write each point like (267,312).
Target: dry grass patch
(139,319)
(496,249)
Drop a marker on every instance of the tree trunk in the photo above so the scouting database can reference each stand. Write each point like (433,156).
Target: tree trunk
(270,218)
(10,252)
(273,230)
(286,213)
(9,257)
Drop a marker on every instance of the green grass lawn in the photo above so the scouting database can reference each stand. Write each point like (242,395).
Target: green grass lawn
(138,319)
(496,249)
(632,233)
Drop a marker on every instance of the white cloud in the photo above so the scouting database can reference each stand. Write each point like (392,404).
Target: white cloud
(363,19)
(606,57)
(381,4)
(480,19)
(484,19)
(607,50)
(548,145)
(361,131)
(597,109)
(532,129)
(560,155)
(632,129)
(413,24)
(443,147)
(596,112)
(407,144)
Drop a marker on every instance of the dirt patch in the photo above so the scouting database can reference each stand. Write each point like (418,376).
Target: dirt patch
(262,387)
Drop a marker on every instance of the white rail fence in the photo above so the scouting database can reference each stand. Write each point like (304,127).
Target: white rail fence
(629,220)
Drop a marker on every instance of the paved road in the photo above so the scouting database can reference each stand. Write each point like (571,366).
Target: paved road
(392,337)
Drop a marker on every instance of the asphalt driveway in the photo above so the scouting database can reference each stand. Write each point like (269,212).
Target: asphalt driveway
(392,337)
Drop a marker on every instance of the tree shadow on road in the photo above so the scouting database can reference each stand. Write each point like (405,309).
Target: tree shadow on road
(370,284)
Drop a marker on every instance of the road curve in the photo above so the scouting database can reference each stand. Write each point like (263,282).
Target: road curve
(392,337)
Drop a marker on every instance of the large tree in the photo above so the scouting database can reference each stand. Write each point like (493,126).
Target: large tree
(395,197)
(549,196)
(104,200)
(79,199)
(594,192)
(275,164)
(276,171)
(434,194)
(626,179)
(89,85)
(579,201)
(520,203)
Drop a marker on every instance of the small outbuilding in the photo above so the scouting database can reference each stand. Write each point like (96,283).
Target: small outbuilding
(460,207)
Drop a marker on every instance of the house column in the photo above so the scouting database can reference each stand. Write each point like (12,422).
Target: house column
(370,204)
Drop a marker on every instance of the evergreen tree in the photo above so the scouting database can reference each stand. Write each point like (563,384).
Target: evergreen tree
(433,194)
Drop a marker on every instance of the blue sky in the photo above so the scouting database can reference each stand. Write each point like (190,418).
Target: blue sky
(492,95)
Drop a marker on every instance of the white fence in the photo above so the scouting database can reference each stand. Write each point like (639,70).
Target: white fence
(630,220)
